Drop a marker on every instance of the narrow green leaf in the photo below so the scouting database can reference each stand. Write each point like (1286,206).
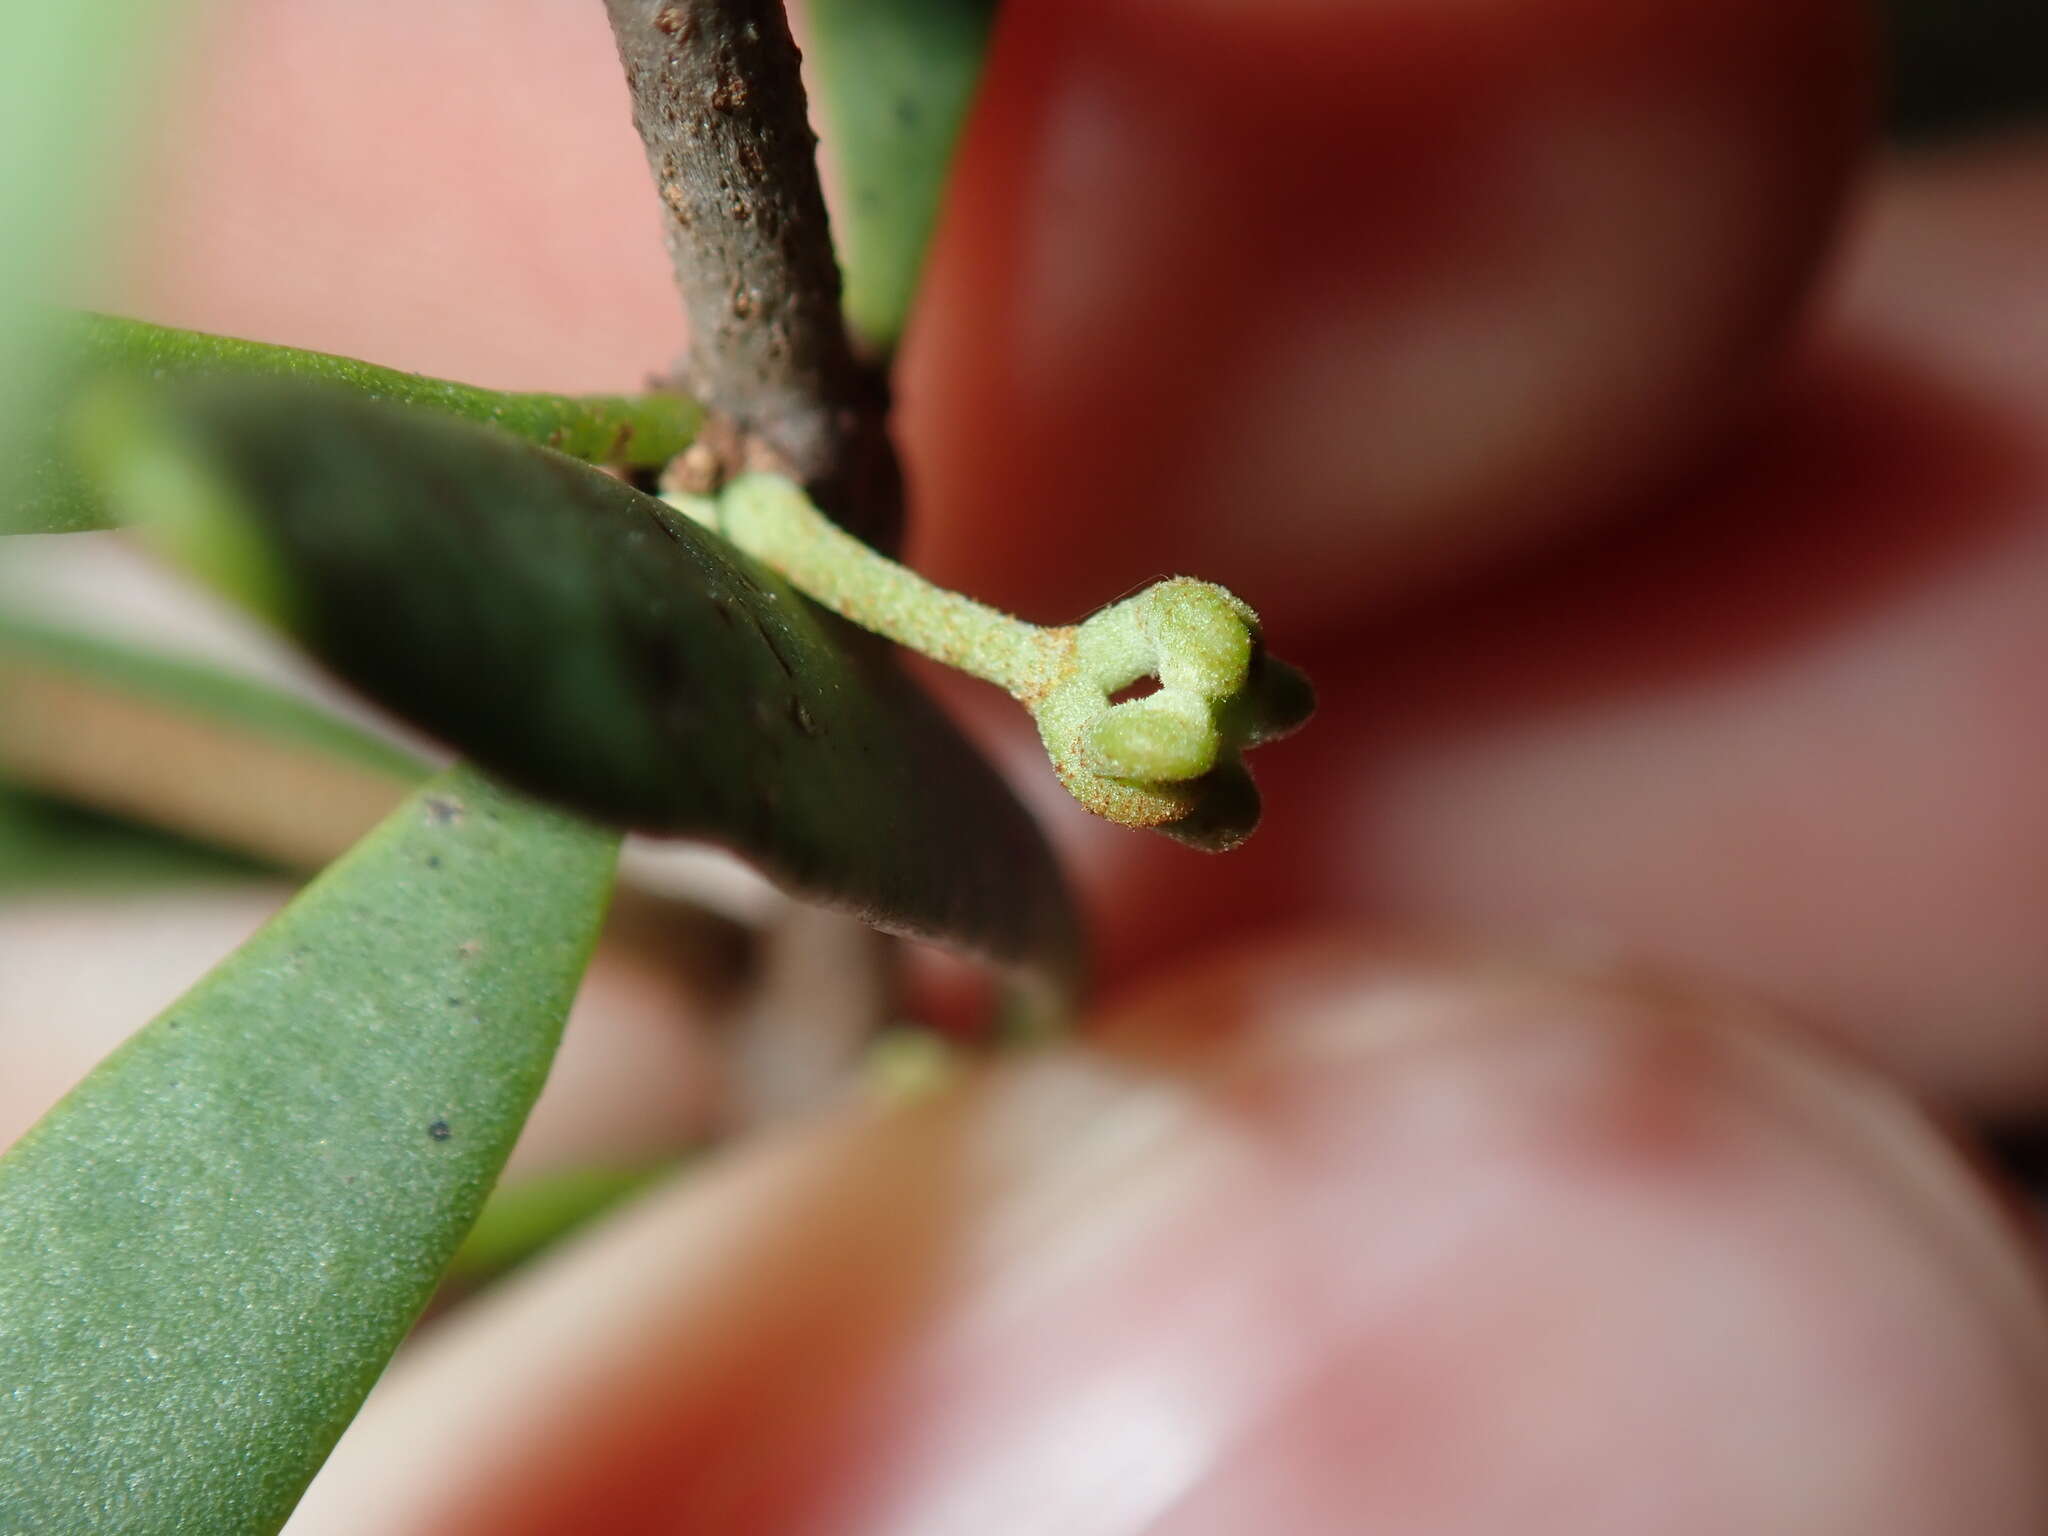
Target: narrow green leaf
(30,646)
(593,646)
(523,1219)
(207,754)
(894,79)
(630,431)
(226,765)
(214,1244)
(46,844)
(70,78)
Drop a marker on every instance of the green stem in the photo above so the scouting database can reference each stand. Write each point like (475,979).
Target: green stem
(772,520)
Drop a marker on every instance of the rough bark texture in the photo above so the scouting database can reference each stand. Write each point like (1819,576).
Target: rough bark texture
(720,106)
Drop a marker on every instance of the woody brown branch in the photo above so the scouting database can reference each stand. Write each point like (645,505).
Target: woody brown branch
(720,107)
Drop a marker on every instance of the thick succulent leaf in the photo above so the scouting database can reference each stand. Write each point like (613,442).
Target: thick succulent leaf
(593,646)
(213,1245)
(629,431)
(207,754)
(893,80)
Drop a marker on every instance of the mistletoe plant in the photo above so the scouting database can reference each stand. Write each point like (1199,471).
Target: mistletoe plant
(209,1250)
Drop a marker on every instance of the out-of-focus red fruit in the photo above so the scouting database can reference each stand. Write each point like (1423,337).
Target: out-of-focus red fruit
(1321,300)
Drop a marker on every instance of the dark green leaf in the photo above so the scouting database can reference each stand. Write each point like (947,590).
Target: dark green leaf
(213,1245)
(633,431)
(893,79)
(592,646)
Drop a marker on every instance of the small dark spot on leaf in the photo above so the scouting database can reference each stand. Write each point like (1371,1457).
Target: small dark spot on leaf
(443,812)
(805,720)
(469,949)
(439,1130)
(433,861)
(906,112)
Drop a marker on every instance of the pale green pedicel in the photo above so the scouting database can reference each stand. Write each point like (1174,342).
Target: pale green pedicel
(1171,760)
